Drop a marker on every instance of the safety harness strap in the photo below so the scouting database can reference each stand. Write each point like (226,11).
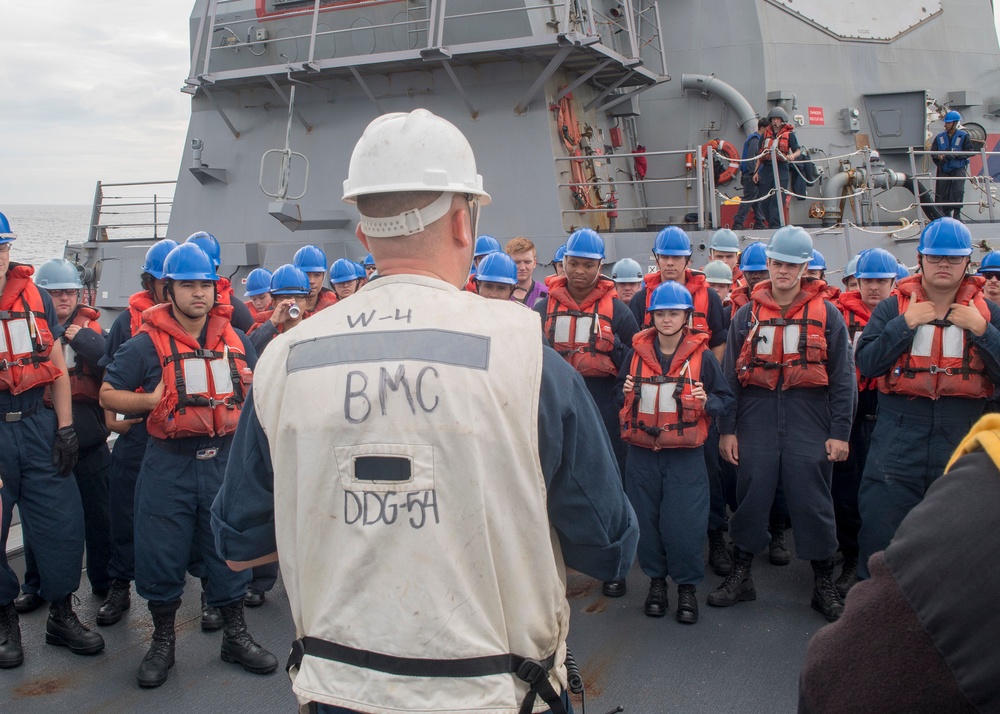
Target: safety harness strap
(532,671)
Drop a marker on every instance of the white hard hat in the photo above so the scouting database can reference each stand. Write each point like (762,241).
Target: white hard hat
(718,272)
(415,151)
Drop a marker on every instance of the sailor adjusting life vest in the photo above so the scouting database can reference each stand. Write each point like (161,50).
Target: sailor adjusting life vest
(204,387)
(581,332)
(942,361)
(659,412)
(771,139)
(25,338)
(696,284)
(85,381)
(788,348)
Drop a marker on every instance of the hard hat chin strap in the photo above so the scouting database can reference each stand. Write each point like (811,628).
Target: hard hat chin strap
(409,222)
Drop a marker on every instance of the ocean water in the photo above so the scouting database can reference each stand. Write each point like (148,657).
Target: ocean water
(43,231)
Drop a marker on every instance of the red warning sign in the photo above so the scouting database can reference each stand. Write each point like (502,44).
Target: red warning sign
(816,115)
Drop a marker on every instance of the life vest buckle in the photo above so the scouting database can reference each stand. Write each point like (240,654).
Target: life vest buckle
(207,454)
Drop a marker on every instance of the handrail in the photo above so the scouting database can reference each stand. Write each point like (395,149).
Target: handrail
(156,215)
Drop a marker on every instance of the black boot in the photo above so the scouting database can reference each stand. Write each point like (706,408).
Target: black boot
(826,599)
(238,646)
(738,586)
(776,552)
(211,620)
(28,602)
(119,600)
(848,575)
(613,588)
(687,605)
(155,666)
(254,597)
(65,630)
(11,654)
(719,559)
(656,601)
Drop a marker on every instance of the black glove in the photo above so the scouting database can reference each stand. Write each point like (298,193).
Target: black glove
(65,450)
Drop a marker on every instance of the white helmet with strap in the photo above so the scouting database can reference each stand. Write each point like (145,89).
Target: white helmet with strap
(415,151)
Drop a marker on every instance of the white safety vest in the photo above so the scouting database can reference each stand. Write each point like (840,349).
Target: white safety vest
(410,505)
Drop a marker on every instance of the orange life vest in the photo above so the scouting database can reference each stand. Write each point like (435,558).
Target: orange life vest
(769,139)
(790,346)
(254,312)
(831,293)
(25,337)
(471,286)
(581,332)
(84,380)
(739,297)
(738,278)
(856,314)
(138,303)
(659,412)
(326,298)
(204,387)
(695,284)
(941,361)
(224,294)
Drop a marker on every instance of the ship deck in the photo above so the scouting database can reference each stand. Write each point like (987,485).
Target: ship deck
(742,659)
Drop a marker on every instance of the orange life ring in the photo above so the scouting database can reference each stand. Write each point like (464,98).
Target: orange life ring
(724,147)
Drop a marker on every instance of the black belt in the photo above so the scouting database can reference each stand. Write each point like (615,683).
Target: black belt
(532,671)
(11,417)
(202,449)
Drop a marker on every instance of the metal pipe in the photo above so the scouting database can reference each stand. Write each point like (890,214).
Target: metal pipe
(710,164)
(709,84)
(777,184)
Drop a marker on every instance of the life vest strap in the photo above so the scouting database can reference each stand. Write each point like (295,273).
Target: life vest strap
(22,361)
(533,671)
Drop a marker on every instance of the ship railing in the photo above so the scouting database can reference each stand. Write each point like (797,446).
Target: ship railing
(129,211)
(626,29)
(693,178)
(982,181)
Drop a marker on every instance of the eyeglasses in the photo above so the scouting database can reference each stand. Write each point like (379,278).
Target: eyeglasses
(952,259)
(4,247)
(63,293)
(991,275)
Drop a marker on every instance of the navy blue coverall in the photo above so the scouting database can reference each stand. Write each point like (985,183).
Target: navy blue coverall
(174,494)
(669,489)
(91,472)
(49,504)
(782,438)
(913,437)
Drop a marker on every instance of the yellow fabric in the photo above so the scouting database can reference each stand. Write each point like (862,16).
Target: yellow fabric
(984,435)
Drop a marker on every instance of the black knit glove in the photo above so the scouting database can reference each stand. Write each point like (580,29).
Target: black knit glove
(65,450)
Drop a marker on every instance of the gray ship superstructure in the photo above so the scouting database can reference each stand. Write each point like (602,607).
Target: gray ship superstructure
(557,97)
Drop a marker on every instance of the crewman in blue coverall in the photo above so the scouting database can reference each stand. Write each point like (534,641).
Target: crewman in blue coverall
(592,526)
(193,368)
(583,320)
(789,364)
(38,454)
(83,345)
(934,346)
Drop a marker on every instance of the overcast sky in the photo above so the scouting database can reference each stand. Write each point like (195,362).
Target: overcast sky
(90,91)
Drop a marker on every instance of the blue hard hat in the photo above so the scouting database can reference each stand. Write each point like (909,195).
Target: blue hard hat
(672,241)
(58,274)
(945,236)
(559,254)
(208,243)
(258,282)
(485,245)
(818,262)
(497,268)
(369,260)
(952,116)
(157,253)
(725,241)
(753,259)
(188,262)
(991,262)
(310,259)
(851,268)
(6,234)
(902,271)
(343,271)
(790,244)
(876,264)
(670,296)
(289,280)
(585,243)
(360,270)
